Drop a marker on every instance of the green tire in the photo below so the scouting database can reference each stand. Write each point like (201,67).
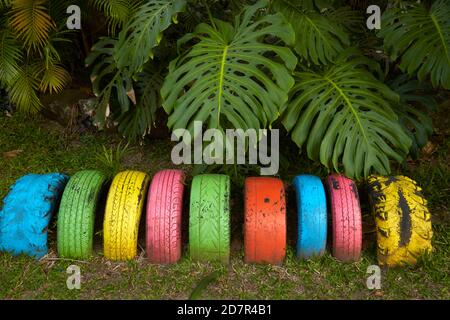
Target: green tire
(209,218)
(75,226)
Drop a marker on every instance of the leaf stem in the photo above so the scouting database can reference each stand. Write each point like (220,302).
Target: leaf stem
(209,14)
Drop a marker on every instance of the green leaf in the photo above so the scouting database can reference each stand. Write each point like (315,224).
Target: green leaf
(203,284)
(138,121)
(4,4)
(117,12)
(343,115)
(318,39)
(231,74)
(413,110)
(421,37)
(23,88)
(10,56)
(54,78)
(313,5)
(351,20)
(107,79)
(31,21)
(144,32)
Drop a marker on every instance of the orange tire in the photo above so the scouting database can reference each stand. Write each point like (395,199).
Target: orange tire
(265,220)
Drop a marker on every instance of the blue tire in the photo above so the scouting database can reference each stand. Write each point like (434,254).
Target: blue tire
(312,216)
(26,213)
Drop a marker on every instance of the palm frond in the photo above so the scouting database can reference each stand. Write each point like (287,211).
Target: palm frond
(23,89)
(4,4)
(117,12)
(54,78)
(31,21)
(10,56)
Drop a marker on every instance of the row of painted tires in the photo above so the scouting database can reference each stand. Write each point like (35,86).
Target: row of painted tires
(402,218)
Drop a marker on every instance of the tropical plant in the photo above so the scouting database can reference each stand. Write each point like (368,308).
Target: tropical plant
(137,122)
(421,38)
(143,32)
(308,65)
(29,61)
(228,75)
(413,109)
(117,12)
(121,65)
(318,38)
(111,158)
(343,115)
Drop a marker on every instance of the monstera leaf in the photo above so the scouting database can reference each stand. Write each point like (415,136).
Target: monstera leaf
(318,39)
(144,32)
(137,122)
(344,117)
(414,110)
(422,38)
(106,78)
(231,77)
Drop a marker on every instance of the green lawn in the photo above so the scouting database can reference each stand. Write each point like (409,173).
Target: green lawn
(47,147)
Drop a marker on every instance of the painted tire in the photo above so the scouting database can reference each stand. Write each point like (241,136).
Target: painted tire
(402,219)
(164,210)
(312,216)
(209,218)
(75,226)
(123,211)
(27,211)
(346,218)
(265,220)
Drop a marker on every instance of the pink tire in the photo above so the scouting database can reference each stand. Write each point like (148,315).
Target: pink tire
(346,218)
(164,210)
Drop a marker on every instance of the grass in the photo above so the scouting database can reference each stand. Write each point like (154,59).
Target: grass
(46,147)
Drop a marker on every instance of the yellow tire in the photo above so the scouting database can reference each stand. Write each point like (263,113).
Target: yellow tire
(126,198)
(402,219)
